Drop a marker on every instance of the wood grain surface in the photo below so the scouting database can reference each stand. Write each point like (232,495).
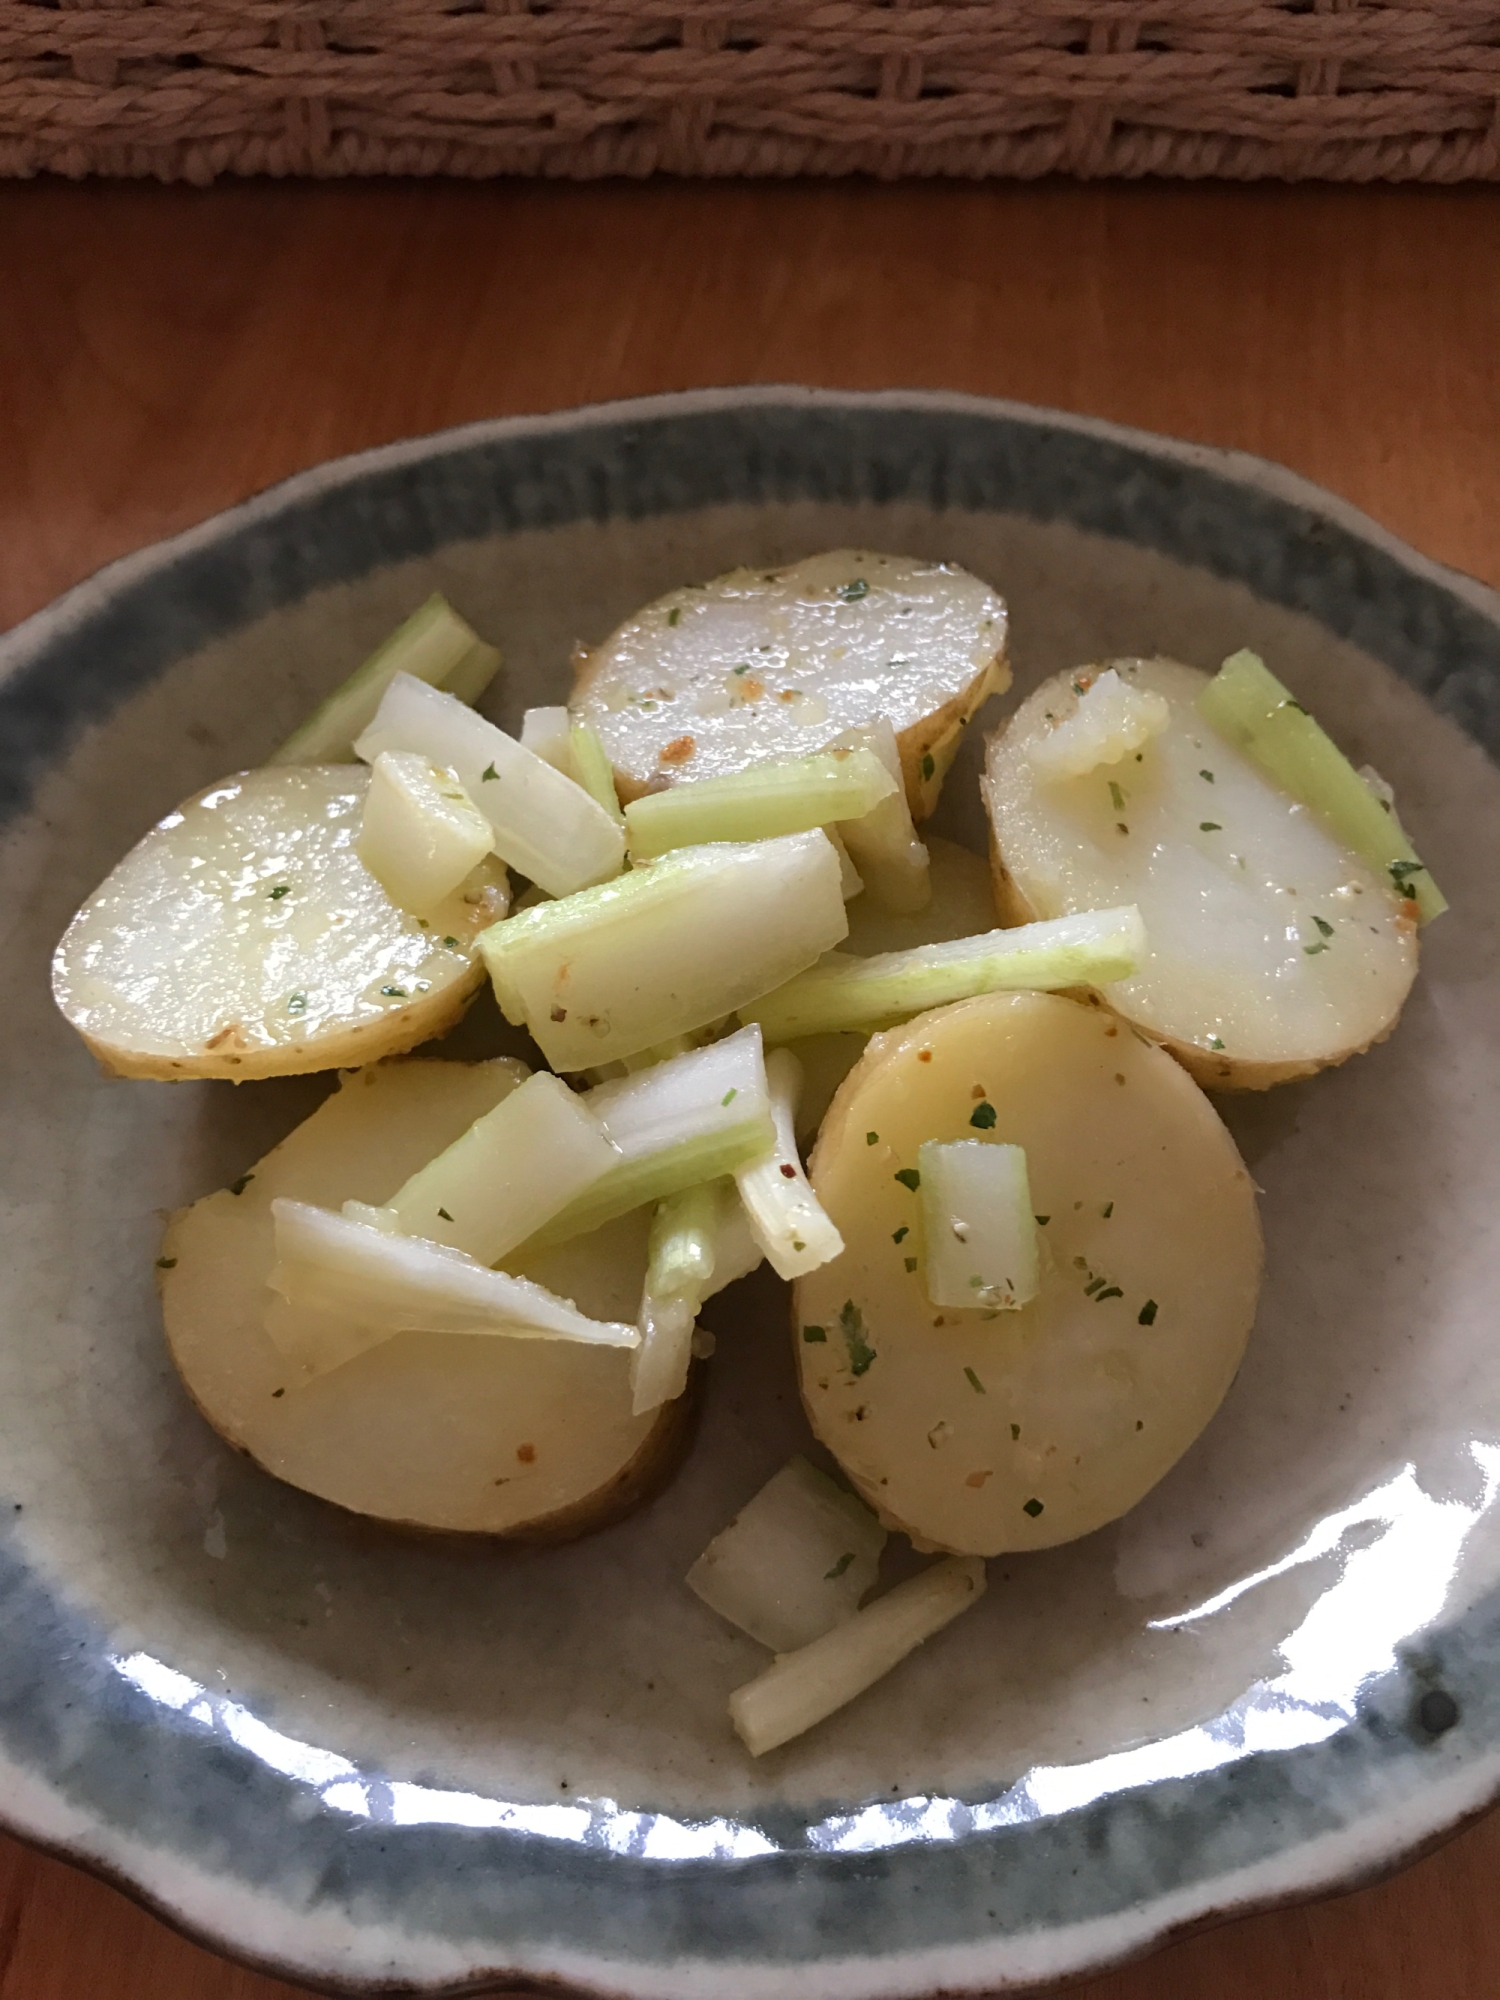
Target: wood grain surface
(164,352)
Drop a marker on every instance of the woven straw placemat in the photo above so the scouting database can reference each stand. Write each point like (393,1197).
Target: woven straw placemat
(190,89)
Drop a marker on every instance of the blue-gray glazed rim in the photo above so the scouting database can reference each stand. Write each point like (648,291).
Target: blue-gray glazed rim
(164,1717)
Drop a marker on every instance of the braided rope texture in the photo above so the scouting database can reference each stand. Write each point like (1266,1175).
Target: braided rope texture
(1241,89)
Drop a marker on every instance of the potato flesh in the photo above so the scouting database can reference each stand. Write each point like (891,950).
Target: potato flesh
(984,1434)
(763,665)
(244,937)
(1234,879)
(438,1430)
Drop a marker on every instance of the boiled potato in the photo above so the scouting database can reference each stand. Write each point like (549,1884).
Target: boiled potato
(982,1431)
(767,664)
(1273,951)
(244,937)
(484,1434)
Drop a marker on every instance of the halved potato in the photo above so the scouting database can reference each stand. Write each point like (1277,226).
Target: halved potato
(1273,951)
(244,937)
(766,664)
(985,1431)
(482,1434)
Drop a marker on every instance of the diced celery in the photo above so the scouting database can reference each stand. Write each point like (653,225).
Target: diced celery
(542,823)
(420,833)
(548,733)
(892,862)
(736,1252)
(434,645)
(666,949)
(794,1562)
(979,1233)
(844,993)
(759,802)
(347,1286)
(691,1119)
(806,1686)
(786,1218)
(851,882)
(1251,709)
(679,1267)
(593,769)
(1112,719)
(512,1171)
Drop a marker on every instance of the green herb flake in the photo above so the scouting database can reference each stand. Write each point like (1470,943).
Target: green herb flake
(166,1263)
(1116,797)
(1147,1314)
(1031,1507)
(281,889)
(1090,1289)
(1108,1210)
(296,1003)
(1109,1292)
(853,592)
(909,1178)
(742,668)
(902,1233)
(797,1244)
(487,773)
(975,1384)
(1324,929)
(1041,1221)
(239,1186)
(451,942)
(852,1323)
(730,1095)
(1015,1433)
(445,1215)
(982,1117)
(674,616)
(1214,1042)
(928,765)
(910,1263)
(832,1575)
(872,1138)
(1209,826)
(1207,774)
(1312,950)
(393,992)
(815,1336)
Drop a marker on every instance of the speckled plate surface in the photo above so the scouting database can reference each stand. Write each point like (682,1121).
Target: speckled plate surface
(385,1764)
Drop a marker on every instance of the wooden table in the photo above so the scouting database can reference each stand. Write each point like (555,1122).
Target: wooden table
(164,352)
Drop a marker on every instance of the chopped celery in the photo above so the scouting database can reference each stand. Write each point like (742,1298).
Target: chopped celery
(1113,717)
(979,1234)
(434,645)
(420,833)
(892,862)
(786,1218)
(844,993)
(542,823)
(593,770)
(1251,709)
(759,802)
(345,1286)
(691,1119)
(806,1686)
(736,1252)
(666,949)
(794,1562)
(679,1267)
(851,883)
(513,1170)
(547,733)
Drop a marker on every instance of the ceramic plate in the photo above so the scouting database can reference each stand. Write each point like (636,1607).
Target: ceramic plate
(378,1763)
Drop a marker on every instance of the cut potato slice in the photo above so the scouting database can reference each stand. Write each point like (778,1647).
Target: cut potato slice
(761,665)
(244,937)
(982,1431)
(529,1438)
(1273,950)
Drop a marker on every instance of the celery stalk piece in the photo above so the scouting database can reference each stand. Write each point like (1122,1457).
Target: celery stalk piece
(794,1562)
(759,802)
(548,733)
(806,1686)
(513,1170)
(666,949)
(736,1252)
(851,882)
(883,846)
(542,823)
(845,994)
(691,1119)
(593,770)
(344,1287)
(786,1218)
(680,1264)
(434,645)
(1251,709)
(979,1234)
(420,833)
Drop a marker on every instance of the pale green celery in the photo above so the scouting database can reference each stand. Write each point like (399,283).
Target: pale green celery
(667,949)
(979,1233)
(806,1686)
(1250,708)
(513,1170)
(691,1119)
(420,833)
(434,645)
(883,846)
(547,733)
(679,1267)
(595,772)
(542,824)
(844,993)
(786,1218)
(736,1252)
(758,803)
(794,1562)
(345,1286)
